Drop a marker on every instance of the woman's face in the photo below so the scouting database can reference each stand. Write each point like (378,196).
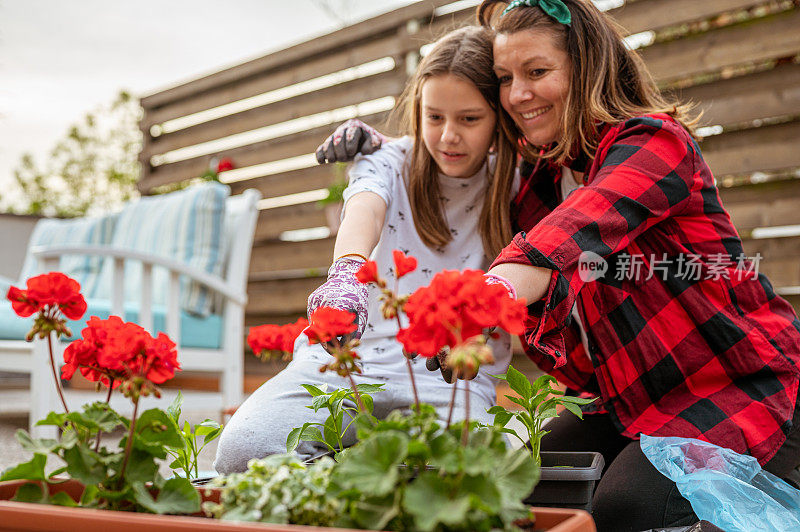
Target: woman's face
(534,75)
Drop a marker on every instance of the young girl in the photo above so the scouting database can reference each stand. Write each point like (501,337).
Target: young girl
(436,195)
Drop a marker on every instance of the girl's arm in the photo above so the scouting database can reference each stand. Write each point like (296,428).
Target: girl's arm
(358,235)
(361,226)
(529,282)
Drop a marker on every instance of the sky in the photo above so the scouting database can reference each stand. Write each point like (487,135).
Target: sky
(60,59)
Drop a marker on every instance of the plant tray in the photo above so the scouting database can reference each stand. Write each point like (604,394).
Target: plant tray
(567,480)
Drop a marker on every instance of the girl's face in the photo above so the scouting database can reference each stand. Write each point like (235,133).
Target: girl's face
(458,125)
(534,75)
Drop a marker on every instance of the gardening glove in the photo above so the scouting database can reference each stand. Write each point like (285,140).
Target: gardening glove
(343,291)
(347,141)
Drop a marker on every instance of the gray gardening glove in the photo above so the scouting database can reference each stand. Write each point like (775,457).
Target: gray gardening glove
(343,291)
(347,141)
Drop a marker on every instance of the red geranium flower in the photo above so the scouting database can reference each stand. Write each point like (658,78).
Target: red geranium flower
(48,291)
(402,263)
(368,273)
(327,323)
(275,340)
(118,351)
(455,307)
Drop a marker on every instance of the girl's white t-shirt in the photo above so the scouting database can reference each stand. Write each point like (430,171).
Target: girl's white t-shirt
(382,173)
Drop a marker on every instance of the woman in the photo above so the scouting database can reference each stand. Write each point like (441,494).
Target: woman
(615,177)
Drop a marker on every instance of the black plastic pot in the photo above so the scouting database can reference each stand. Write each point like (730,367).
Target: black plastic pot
(567,480)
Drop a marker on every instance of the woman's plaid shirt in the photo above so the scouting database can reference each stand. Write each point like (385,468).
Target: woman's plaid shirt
(692,342)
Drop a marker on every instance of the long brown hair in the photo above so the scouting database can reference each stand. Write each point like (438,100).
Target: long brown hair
(609,83)
(466,53)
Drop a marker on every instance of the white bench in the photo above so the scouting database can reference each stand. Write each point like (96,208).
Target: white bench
(124,264)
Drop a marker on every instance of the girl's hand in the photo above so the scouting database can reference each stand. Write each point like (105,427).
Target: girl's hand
(348,140)
(343,291)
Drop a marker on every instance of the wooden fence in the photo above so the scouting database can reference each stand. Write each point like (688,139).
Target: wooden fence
(737,59)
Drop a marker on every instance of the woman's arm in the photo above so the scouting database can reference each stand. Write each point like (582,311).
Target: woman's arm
(530,282)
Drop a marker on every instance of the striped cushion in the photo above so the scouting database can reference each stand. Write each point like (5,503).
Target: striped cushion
(94,231)
(186,226)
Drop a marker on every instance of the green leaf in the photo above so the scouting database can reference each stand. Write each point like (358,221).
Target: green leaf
(62,499)
(211,436)
(311,433)
(517,400)
(371,466)
(431,501)
(496,409)
(174,409)
(94,417)
(53,418)
(293,439)
(577,400)
(368,402)
(35,445)
(519,382)
(318,402)
(176,496)
(501,419)
(154,430)
(575,409)
(142,467)
(369,388)
(30,492)
(374,513)
(85,465)
(313,390)
(30,470)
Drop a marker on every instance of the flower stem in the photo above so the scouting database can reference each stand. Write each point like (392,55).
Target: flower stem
(358,395)
(452,404)
(55,375)
(465,431)
(129,443)
(410,369)
(108,398)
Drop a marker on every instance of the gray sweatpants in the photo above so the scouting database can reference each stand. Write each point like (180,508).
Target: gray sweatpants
(260,426)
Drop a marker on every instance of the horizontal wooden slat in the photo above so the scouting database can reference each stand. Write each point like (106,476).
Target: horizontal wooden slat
(260,152)
(290,57)
(760,192)
(737,100)
(351,93)
(762,149)
(302,180)
(645,15)
(756,40)
(281,297)
(773,249)
(273,222)
(781,272)
(794,301)
(747,216)
(278,255)
(334,62)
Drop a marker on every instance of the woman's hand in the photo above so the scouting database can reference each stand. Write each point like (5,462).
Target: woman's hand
(343,291)
(348,140)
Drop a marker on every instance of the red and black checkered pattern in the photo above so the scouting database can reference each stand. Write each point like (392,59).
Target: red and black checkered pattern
(674,355)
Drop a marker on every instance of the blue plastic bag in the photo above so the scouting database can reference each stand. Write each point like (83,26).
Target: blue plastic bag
(724,487)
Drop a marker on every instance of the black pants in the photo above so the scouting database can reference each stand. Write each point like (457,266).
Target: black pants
(633,495)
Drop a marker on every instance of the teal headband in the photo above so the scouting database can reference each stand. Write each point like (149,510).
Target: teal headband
(555,8)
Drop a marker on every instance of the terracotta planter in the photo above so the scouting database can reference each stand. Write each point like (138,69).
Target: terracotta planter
(22,516)
(567,480)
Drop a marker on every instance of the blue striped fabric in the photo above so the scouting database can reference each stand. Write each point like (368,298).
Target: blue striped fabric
(96,230)
(186,226)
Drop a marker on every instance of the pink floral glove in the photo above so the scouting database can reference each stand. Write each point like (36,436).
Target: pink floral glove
(347,141)
(343,291)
